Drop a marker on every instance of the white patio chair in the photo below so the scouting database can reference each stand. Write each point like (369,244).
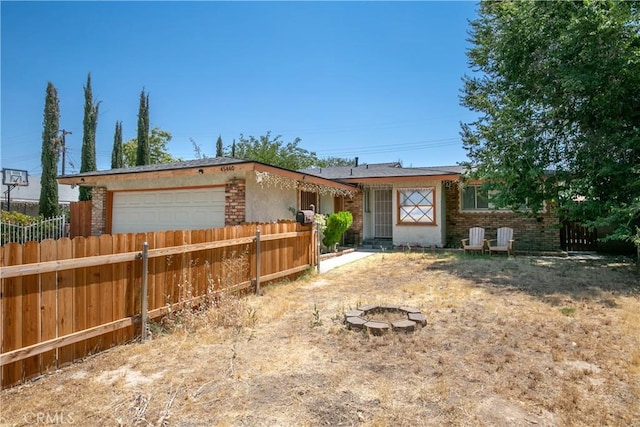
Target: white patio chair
(476,241)
(503,242)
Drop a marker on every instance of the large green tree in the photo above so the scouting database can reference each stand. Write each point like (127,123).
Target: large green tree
(557,92)
(89,126)
(158,153)
(143,152)
(49,206)
(117,155)
(274,151)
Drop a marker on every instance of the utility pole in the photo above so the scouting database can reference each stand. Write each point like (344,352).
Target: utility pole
(62,146)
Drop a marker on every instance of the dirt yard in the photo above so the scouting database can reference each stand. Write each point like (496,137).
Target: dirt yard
(509,342)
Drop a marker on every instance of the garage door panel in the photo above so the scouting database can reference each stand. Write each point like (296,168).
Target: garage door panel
(168,210)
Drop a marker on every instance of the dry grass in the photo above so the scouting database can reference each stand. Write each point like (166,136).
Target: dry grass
(540,341)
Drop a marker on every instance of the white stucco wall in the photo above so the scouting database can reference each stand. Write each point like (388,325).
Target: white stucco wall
(422,235)
(268,203)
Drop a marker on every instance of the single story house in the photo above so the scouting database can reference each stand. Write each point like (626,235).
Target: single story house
(199,194)
(425,207)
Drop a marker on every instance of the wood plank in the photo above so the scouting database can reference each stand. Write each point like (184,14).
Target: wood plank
(130,287)
(48,304)
(195,267)
(94,303)
(151,265)
(12,293)
(79,297)
(139,239)
(65,301)
(170,284)
(105,289)
(216,259)
(186,267)
(209,257)
(157,291)
(119,285)
(31,310)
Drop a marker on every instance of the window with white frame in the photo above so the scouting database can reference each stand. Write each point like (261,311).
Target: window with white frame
(416,206)
(474,197)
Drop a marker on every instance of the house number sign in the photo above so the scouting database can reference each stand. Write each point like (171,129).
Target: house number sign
(227,168)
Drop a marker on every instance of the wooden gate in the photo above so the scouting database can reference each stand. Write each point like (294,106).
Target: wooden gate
(576,237)
(80,219)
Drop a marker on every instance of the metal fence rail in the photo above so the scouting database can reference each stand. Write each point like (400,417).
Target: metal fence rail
(52,228)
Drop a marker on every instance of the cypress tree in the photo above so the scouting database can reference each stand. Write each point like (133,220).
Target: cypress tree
(48,206)
(144,152)
(117,156)
(219,152)
(89,126)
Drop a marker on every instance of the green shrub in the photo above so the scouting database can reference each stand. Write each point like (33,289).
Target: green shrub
(337,223)
(18,218)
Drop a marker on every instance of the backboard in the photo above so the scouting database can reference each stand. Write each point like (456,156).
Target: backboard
(15,177)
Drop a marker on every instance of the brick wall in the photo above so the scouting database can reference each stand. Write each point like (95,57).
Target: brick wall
(530,234)
(235,202)
(355,205)
(98,211)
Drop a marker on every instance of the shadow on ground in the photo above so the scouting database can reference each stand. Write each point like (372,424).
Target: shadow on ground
(589,278)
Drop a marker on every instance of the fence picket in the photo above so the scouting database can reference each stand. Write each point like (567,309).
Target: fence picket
(105,289)
(79,297)
(12,316)
(31,309)
(94,345)
(130,285)
(48,292)
(65,301)
(119,284)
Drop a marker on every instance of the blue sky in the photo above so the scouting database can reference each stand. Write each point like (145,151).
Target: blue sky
(376,80)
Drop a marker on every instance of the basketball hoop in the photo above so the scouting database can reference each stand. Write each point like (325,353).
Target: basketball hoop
(14,178)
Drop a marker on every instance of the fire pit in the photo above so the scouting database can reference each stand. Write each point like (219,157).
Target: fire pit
(368,318)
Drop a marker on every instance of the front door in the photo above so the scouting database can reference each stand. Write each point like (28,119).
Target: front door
(382,214)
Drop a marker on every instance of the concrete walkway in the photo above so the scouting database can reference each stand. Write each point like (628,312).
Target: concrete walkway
(336,261)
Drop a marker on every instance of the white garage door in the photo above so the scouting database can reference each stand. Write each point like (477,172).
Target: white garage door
(141,211)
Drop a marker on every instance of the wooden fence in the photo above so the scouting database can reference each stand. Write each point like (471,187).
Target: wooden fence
(63,300)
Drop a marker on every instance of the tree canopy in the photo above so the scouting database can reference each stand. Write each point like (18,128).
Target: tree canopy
(274,151)
(557,92)
(158,153)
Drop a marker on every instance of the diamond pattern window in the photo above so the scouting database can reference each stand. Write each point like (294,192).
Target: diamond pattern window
(416,206)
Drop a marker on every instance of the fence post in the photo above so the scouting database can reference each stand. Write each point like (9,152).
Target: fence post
(145,303)
(258,292)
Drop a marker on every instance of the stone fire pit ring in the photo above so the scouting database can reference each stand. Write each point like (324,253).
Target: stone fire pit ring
(410,318)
